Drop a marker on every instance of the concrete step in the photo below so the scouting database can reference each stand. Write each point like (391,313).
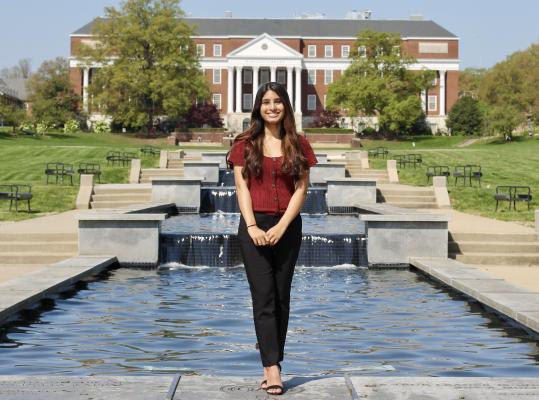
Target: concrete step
(114,204)
(43,246)
(405,204)
(175,164)
(34,257)
(39,237)
(409,198)
(135,197)
(493,247)
(390,192)
(161,171)
(493,237)
(525,259)
(127,190)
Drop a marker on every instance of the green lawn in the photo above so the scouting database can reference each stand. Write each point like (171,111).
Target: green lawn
(502,163)
(23,160)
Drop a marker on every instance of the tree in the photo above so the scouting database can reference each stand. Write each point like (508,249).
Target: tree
(52,98)
(505,119)
(465,117)
(327,119)
(204,114)
(470,81)
(10,114)
(22,70)
(379,83)
(155,67)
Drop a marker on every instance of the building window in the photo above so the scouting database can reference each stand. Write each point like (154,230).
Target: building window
(311,102)
(362,50)
(201,49)
(328,76)
(247,101)
(345,51)
(216,99)
(311,76)
(217,76)
(432,103)
(281,76)
(311,50)
(248,76)
(264,76)
(328,50)
(217,50)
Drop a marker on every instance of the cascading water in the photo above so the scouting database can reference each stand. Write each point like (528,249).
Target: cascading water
(210,239)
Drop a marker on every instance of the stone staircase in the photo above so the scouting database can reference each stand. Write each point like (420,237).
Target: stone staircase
(36,248)
(495,248)
(407,196)
(148,173)
(355,171)
(120,195)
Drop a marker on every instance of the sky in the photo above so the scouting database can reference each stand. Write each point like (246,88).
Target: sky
(489,30)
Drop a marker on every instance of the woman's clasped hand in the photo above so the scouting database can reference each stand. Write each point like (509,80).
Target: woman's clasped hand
(271,237)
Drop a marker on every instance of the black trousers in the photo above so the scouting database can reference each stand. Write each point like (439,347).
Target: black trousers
(269,272)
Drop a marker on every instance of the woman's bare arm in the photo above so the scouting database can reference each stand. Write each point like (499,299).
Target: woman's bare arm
(246,207)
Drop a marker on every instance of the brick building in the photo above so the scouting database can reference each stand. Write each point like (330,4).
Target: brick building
(306,55)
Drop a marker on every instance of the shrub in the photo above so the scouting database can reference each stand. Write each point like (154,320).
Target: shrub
(465,116)
(101,127)
(42,128)
(204,115)
(326,119)
(71,126)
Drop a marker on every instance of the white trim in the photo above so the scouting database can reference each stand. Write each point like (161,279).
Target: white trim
(347,46)
(309,80)
(435,97)
(215,47)
(216,76)
(292,53)
(429,38)
(309,102)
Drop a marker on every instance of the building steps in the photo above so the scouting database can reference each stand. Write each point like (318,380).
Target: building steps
(174,164)
(29,246)
(147,174)
(120,196)
(407,197)
(36,247)
(494,248)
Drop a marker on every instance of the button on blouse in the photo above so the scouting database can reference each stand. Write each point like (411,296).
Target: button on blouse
(272,192)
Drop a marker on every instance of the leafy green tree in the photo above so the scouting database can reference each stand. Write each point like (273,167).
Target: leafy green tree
(149,63)
(465,116)
(379,83)
(50,93)
(505,119)
(11,114)
(470,80)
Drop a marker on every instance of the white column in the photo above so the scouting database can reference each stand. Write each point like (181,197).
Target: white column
(273,73)
(424,100)
(238,89)
(230,91)
(289,82)
(442,92)
(85,81)
(297,107)
(255,82)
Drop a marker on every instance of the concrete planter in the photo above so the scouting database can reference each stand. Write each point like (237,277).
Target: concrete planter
(209,170)
(349,192)
(320,173)
(182,191)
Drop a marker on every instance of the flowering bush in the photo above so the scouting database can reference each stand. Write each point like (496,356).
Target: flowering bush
(26,126)
(71,126)
(42,128)
(101,127)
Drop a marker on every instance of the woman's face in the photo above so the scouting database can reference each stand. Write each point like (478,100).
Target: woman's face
(272,108)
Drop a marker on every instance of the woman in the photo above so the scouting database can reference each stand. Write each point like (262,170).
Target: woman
(271,171)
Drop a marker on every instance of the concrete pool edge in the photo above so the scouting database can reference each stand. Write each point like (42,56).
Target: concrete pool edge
(24,292)
(17,387)
(515,302)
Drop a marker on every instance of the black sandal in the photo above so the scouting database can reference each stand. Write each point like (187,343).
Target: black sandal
(275,387)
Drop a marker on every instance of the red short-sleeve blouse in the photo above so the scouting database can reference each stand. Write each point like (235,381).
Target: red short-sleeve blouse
(272,192)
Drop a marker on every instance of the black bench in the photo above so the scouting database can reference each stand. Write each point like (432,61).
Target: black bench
(127,157)
(379,152)
(114,157)
(512,194)
(467,173)
(90,169)
(149,150)
(59,171)
(437,170)
(408,159)
(16,193)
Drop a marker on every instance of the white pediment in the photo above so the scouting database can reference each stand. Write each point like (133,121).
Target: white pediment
(265,46)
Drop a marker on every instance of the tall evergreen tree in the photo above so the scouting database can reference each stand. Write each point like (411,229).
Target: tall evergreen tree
(379,83)
(465,117)
(149,63)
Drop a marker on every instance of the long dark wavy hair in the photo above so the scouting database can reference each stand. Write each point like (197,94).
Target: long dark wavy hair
(294,162)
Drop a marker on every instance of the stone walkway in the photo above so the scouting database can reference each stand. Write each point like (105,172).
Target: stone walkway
(234,388)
